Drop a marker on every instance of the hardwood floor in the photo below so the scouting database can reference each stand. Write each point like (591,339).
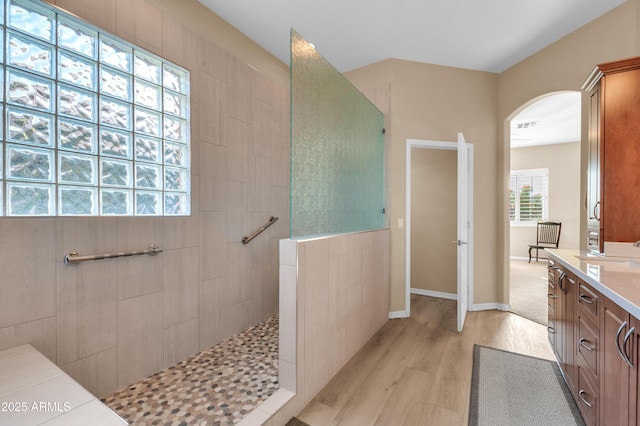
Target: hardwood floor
(417,371)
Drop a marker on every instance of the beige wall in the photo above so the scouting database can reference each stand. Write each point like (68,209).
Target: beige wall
(563,65)
(110,322)
(563,162)
(434,206)
(435,103)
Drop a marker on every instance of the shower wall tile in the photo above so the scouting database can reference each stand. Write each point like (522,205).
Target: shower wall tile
(333,320)
(261,127)
(180,45)
(213,177)
(41,334)
(212,59)
(213,312)
(137,233)
(239,317)
(28,270)
(239,208)
(99,12)
(86,309)
(140,338)
(211,108)
(140,275)
(239,154)
(238,274)
(85,235)
(180,342)
(98,373)
(213,245)
(180,286)
(262,184)
(142,22)
(239,89)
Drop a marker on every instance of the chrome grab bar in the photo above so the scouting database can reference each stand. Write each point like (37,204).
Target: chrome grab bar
(272,220)
(74,257)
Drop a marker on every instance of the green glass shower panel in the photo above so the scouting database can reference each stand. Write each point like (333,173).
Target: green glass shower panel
(337,150)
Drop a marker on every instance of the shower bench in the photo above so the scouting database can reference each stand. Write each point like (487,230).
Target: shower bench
(35,391)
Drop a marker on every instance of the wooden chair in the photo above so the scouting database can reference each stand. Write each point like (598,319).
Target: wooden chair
(548,237)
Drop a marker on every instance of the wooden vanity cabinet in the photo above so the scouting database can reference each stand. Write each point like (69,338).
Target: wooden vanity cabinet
(587,348)
(614,153)
(617,406)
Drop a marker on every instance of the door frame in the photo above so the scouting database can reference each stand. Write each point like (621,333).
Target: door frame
(428,144)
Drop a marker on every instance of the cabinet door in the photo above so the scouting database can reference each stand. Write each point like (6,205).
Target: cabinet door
(634,394)
(620,196)
(552,295)
(560,316)
(593,174)
(615,374)
(569,321)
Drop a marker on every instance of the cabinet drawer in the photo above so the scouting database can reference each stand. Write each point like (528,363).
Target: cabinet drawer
(587,345)
(587,398)
(588,300)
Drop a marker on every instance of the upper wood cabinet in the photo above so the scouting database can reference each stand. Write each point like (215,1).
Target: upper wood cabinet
(613,199)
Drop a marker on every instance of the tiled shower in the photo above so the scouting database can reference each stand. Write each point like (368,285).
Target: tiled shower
(109,323)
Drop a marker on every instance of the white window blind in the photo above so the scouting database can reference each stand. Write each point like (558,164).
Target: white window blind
(528,196)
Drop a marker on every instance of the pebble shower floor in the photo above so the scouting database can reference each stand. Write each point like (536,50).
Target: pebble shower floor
(217,386)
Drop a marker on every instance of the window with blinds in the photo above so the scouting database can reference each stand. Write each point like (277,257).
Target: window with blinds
(528,196)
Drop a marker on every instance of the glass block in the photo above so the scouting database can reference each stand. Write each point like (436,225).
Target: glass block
(148,203)
(77,70)
(148,149)
(32,19)
(30,199)
(175,204)
(115,143)
(146,67)
(175,154)
(29,90)
(148,122)
(79,38)
(337,150)
(148,176)
(77,168)
(115,113)
(77,201)
(175,104)
(77,136)
(115,202)
(175,179)
(175,129)
(174,78)
(27,126)
(115,54)
(30,54)
(77,102)
(26,163)
(147,95)
(115,83)
(115,173)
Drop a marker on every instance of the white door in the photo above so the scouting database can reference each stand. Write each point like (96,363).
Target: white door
(465,203)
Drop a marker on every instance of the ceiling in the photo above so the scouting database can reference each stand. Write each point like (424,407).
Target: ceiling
(487,35)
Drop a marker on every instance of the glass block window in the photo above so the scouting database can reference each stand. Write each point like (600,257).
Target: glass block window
(92,125)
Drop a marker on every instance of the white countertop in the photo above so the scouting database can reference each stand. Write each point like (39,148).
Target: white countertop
(617,278)
(34,391)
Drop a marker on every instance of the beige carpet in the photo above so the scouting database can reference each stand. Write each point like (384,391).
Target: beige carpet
(529,290)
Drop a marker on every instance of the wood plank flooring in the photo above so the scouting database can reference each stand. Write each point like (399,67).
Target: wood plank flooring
(417,371)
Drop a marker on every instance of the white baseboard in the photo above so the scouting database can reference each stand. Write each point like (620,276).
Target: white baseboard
(398,314)
(489,307)
(519,258)
(431,293)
